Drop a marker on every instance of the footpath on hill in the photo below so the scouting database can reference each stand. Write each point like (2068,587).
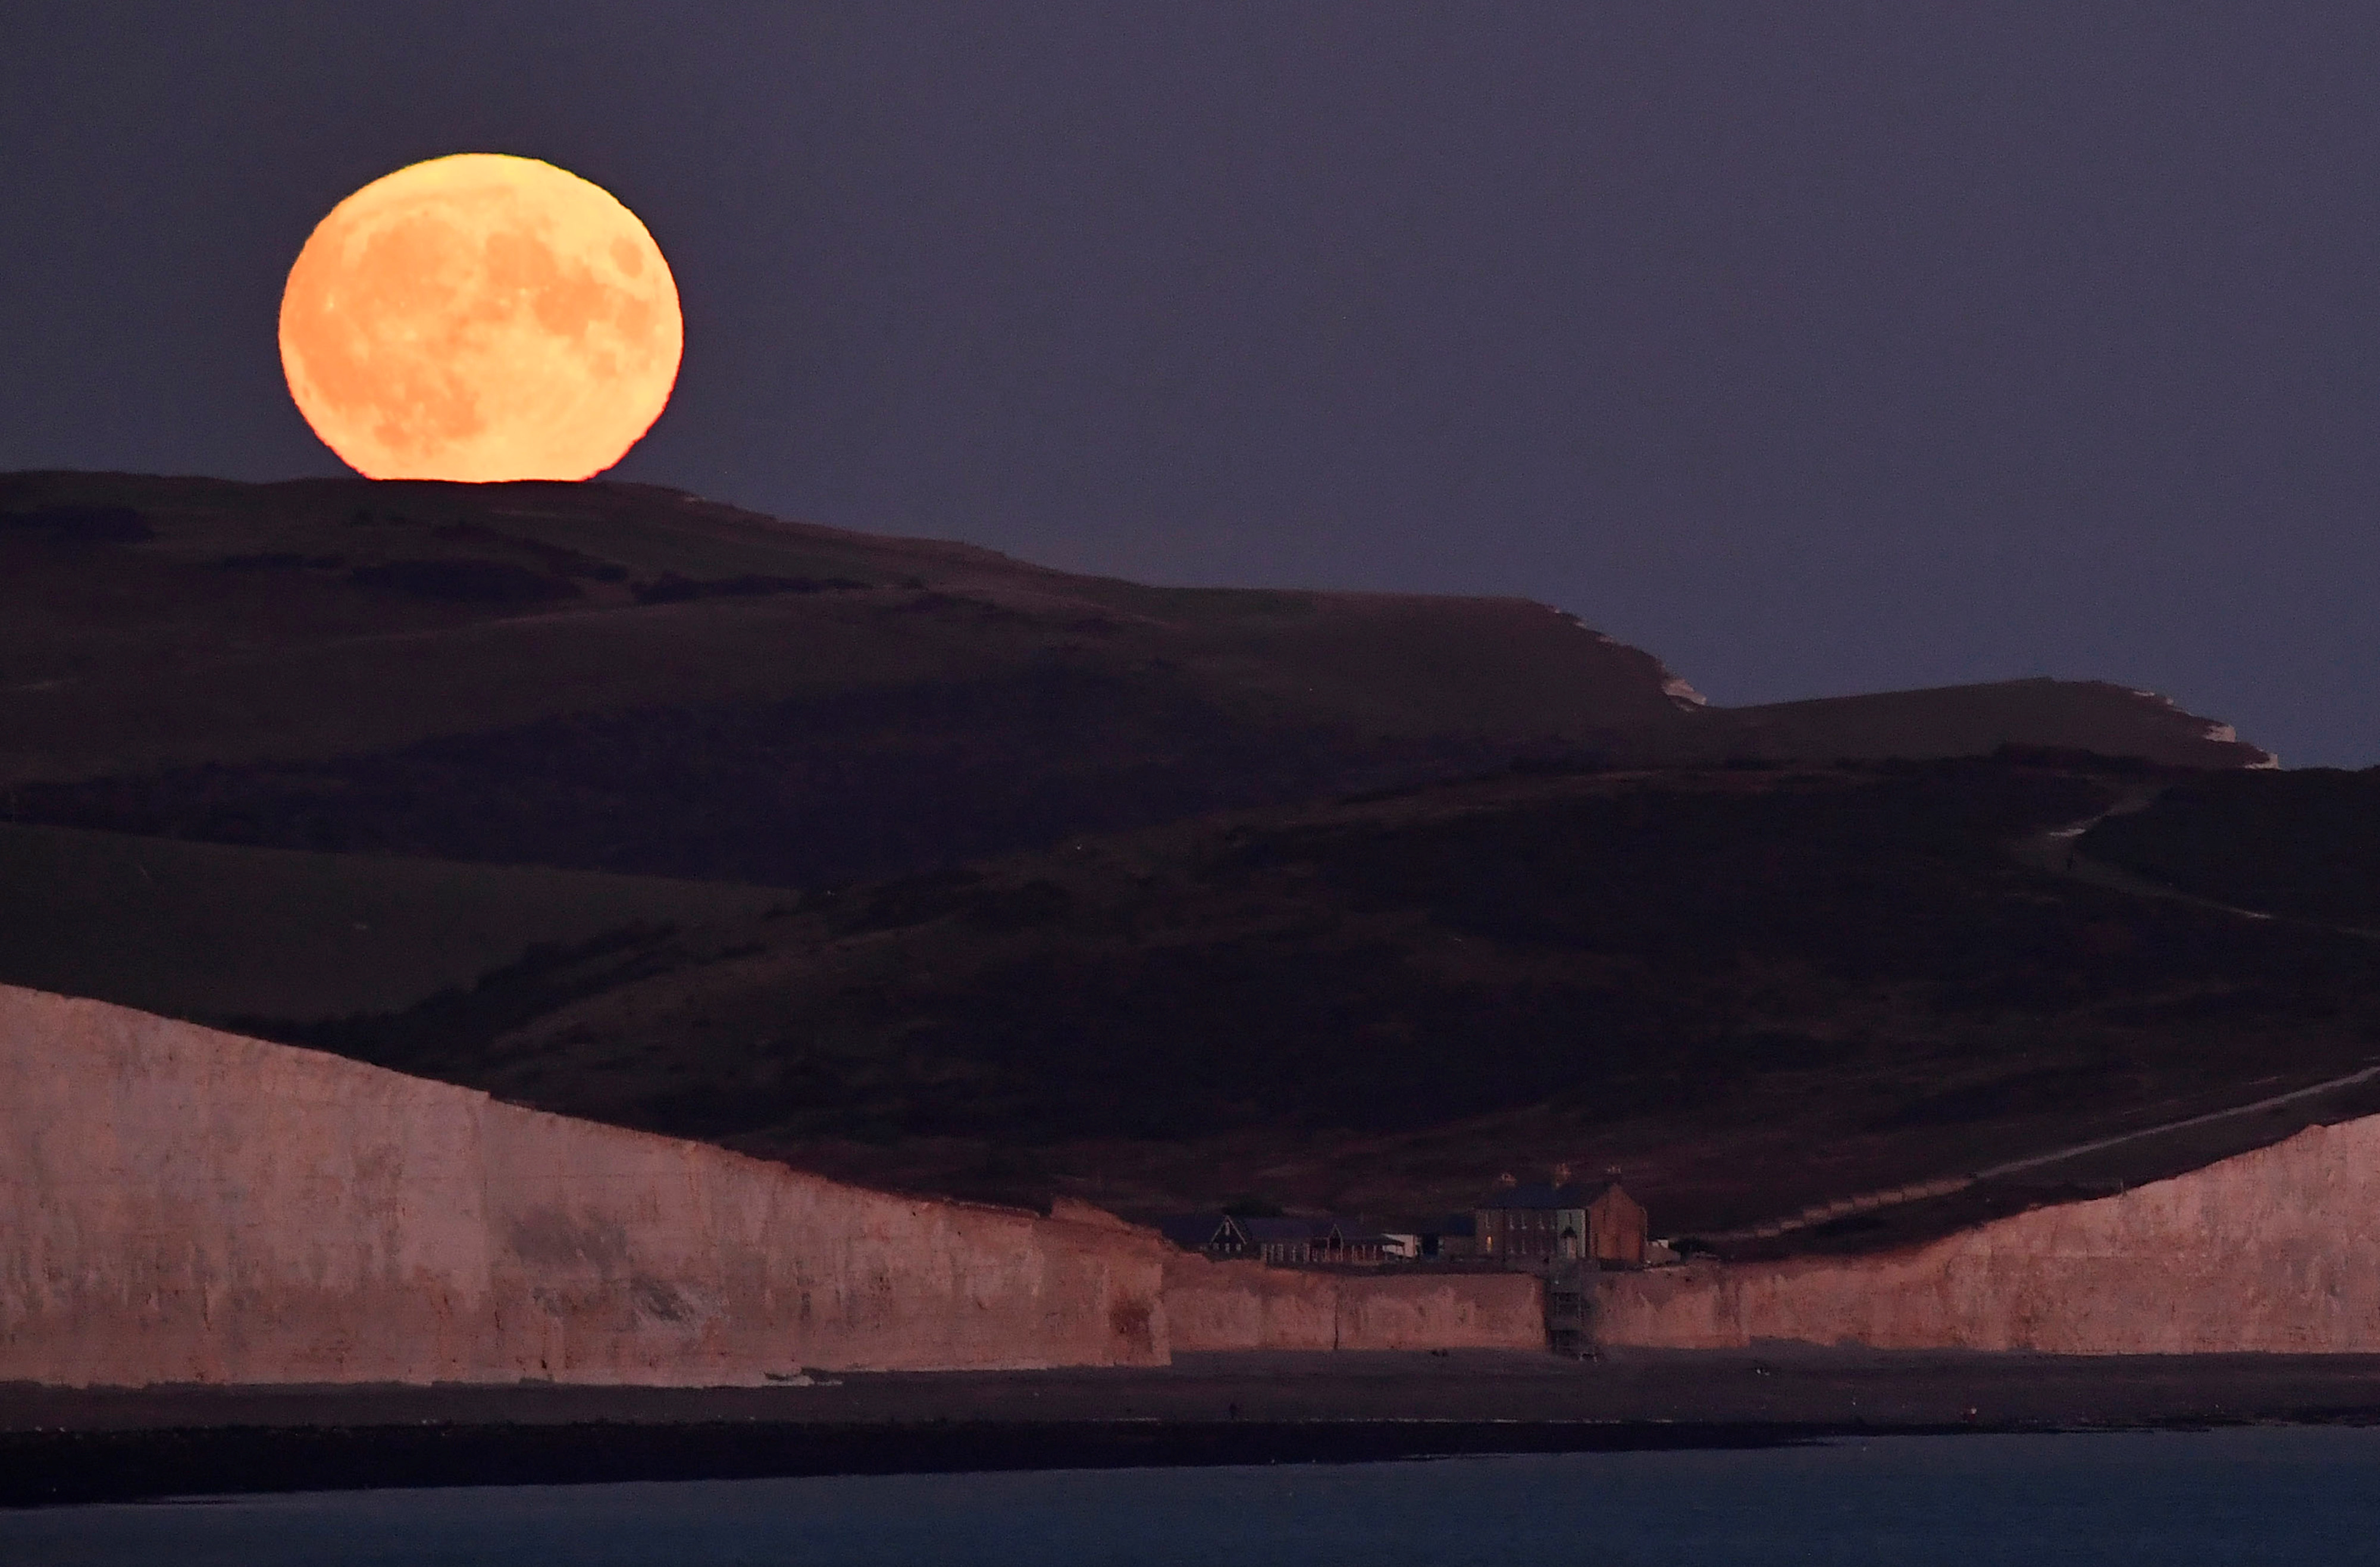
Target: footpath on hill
(2180,1142)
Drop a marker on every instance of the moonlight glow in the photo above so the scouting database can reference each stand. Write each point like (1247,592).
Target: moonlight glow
(481,317)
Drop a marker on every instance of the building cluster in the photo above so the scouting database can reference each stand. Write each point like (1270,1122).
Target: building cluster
(1538,1227)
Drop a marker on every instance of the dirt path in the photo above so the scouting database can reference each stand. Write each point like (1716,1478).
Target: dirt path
(2254,1107)
(2054,853)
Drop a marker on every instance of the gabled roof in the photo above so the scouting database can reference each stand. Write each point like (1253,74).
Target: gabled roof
(1197,1232)
(1538,1194)
(1193,1232)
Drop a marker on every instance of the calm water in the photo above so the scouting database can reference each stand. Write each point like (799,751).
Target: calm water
(2268,1496)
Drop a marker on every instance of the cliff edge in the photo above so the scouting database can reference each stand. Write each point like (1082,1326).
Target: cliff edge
(179,1205)
(2272,1251)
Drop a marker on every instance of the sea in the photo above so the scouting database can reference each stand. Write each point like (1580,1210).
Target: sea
(2245,1495)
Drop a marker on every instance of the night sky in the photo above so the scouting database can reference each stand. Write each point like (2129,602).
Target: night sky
(1816,348)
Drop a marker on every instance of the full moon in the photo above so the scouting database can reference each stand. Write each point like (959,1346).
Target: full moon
(481,318)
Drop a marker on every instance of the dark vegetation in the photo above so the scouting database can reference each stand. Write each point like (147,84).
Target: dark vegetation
(461,672)
(80,525)
(214,930)
(558,560)
(789,792)
(281,560)
(550,974)
(1853,950)
(671,589)
(465,581)
(2015,1092)
(1737,969)
(2305,842)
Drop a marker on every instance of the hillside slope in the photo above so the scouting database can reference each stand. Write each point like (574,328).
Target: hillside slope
(208,930)
(2303,844)
(615,677)
(1754,989)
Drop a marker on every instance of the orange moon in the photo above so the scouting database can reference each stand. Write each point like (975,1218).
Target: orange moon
(481,317)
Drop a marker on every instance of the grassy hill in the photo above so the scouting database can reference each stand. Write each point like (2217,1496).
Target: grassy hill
(2304,843)
(1754,987)
(211,932)
(614,677)
(925,867)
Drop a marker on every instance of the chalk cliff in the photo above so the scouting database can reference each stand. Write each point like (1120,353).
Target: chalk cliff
(1246,1306)
(179,1205)
(2274,1250)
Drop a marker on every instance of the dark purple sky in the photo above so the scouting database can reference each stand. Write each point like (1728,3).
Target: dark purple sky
(1816,348)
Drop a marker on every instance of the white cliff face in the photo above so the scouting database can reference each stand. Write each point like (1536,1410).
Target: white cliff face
(2275,1251)
(1680,693)
(1246,1306)
(2221,733)
(179,1205)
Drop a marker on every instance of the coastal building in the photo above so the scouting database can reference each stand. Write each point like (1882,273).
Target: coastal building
(1293,1243)
(1539,1225)
(1456,1238)
(1222,1236)
(1285,1241)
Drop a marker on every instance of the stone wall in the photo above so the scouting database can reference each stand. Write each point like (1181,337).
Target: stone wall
(2274,1250)
(179,1205)
(1246,1306)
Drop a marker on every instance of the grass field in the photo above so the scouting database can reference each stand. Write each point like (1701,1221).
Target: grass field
(208,930)
(1754,989)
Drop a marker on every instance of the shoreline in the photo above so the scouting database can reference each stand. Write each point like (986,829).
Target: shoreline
(59,1469)
(71,1446)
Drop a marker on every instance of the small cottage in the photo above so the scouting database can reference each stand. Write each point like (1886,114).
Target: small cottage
(1282,1242)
